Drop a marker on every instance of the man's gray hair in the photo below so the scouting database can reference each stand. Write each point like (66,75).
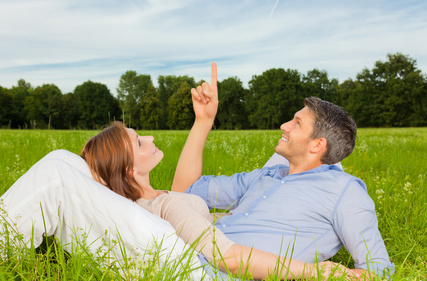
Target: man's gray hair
(335,125)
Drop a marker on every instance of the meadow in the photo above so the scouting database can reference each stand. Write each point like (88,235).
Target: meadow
(391,161)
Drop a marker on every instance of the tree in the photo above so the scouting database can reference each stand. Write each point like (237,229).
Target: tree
(180,109)
(96,104)
(151,109)
(392,94)
(19,93)
(274,97)
(132,88)
(231,112)
(52,96)
(70,111)
(317,83)
(43,107)
(6,104)
(35,108)
(169,85)
(347,93)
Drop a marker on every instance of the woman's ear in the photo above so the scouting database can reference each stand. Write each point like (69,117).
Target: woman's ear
(131,173)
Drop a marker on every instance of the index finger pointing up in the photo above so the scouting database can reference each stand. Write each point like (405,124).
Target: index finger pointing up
(214,75)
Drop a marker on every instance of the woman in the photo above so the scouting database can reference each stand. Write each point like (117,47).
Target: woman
(121,160)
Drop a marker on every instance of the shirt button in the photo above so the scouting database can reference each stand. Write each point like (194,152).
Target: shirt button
(246,214)
(224,225)
(282,181)
(265,196)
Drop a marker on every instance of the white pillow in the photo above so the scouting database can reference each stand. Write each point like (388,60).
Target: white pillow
(58,196)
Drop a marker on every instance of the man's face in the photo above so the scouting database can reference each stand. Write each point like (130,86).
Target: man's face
(296,137)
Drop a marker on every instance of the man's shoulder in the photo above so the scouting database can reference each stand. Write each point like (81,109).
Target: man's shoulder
(333,177)
(346,178)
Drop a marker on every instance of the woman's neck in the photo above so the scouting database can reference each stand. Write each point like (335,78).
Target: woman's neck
(146,190)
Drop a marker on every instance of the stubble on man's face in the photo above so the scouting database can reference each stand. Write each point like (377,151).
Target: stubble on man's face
(296,135)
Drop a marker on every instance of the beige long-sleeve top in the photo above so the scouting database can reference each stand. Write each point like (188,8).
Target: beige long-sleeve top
(189,216)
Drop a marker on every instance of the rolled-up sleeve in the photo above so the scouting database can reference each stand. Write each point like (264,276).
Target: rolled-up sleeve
(224,192)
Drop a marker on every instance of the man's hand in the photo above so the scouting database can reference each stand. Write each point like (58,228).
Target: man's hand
(329,269)
(205,98)
(363,274)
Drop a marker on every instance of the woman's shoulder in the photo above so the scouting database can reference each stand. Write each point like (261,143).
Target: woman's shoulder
(184,196)
(194,201)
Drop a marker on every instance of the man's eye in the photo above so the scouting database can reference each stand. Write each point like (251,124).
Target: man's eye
(139,142)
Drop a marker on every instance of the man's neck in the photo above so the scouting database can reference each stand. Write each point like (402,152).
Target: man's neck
(295,168)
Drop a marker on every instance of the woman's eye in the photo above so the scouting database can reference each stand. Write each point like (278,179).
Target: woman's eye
(139,142)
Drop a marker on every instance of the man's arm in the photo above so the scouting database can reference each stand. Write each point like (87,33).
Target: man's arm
(195,229)
(356,224)
(190,164)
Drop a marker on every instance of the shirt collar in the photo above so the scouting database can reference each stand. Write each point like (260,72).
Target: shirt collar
(321,169)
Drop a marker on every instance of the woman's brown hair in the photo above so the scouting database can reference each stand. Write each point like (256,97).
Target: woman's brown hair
(109,155)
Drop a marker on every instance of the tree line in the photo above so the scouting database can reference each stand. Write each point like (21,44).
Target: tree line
(391,94)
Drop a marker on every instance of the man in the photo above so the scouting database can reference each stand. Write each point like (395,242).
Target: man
(307,210)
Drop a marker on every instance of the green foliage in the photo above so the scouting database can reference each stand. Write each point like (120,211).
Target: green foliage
(168,85)
(317,83)
(180,109)
(20,93)
(274,97)
(43,106)
(70,111)
(132,89)
(391,94)
(96,105)
(231,112)
(6,103)
(392,162)
(151,109)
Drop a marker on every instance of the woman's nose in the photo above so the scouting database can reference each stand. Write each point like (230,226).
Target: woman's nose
(149,138)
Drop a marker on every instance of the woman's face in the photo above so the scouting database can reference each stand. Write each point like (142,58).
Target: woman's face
(146,155)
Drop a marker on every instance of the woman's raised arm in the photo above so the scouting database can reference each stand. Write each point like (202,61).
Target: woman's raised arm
(190,164)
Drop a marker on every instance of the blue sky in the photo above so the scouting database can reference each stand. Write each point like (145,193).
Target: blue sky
(67,42)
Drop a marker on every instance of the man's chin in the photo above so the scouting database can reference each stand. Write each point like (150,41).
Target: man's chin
(281,153)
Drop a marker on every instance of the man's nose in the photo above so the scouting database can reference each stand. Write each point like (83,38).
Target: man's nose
(285,126)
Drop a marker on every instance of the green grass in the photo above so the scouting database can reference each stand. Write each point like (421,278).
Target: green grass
(392,162)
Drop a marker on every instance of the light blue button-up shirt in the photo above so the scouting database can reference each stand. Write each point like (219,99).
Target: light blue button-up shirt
(308,215)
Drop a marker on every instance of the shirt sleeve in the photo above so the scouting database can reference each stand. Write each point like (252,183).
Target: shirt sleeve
(224,192)
(356,224)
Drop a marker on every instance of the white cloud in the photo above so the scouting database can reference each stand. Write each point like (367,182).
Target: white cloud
(69,42)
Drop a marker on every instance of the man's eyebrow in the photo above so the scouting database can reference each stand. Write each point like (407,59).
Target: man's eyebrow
(298,118)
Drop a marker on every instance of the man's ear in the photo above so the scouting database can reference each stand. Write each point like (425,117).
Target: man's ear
(319,145)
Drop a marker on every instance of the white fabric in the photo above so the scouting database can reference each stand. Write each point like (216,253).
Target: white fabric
(73,203)
(276,159)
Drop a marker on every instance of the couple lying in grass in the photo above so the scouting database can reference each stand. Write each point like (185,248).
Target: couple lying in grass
(285,219)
